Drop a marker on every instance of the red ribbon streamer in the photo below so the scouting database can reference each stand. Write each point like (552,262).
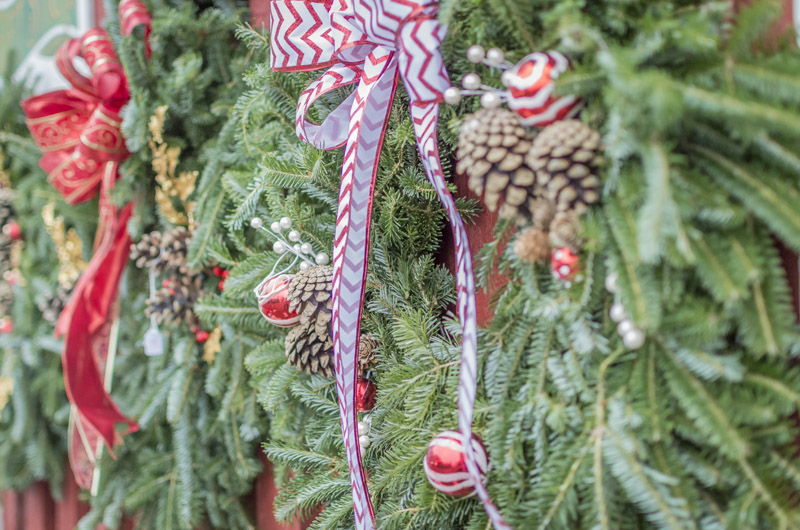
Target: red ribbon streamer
(79,133)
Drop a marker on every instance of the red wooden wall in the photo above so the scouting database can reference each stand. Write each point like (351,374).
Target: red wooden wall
(35,509)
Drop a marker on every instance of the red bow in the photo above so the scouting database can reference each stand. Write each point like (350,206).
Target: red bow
(79,132)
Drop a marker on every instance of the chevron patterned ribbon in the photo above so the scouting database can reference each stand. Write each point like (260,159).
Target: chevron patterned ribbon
(373,44)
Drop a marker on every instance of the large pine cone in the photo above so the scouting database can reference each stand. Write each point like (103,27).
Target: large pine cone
(146,252)
(309,350)
(492,150)
(310,295)
(174,303)
(566,156)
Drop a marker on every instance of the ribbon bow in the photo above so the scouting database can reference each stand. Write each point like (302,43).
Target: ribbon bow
(79,133)
(372,43)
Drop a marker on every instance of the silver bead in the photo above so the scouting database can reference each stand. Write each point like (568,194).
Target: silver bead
(364,440)
(507,78)
(367,420)
(294,235)
(611,282)
(279,247)
(624,327)
(475,53)
(275,227)
(256,222)
(495,56)
(286,222)
(304,265)
(452,96)
(306,248)
(617,312)
(363,427)
(471,82)
(322,259)
(633,339)
(490,100)
(296,247)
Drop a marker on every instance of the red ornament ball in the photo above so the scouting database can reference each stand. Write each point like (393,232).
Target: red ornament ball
(564,264)
(13,230)
(366,393)
(445,464)
(201,336)
(530,89)
(6,326)
(273,300)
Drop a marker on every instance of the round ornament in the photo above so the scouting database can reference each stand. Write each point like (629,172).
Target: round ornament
(13,230)
(564,264)
(445,464)
(273,301)
(366,393)
(6,326)
(530,89)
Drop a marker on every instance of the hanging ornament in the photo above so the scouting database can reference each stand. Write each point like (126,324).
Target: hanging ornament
(445,464)
(273,301)
(366,394)
(564,264)
(530,89)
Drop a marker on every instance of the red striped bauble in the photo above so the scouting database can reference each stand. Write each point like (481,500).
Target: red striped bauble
(530,89)
(273,300)
(445,464)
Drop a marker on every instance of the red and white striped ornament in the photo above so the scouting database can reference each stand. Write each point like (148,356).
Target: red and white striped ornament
(530,89)
(446,467)
(564,264)
(273,300)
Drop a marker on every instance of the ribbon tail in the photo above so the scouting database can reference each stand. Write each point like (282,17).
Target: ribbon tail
(368,120)
(86,323)
(425,117)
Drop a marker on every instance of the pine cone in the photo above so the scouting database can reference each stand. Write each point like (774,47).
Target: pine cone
(532,245)
(146,252)
(310,294)
(366,353)
(566,156)
(54,303)
(174,249)
(309,350)
(6,297)
(174,303)
(564,231)
(492,151)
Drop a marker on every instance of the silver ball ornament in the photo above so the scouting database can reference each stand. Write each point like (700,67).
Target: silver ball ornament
(490,100)
(625,326)
(617,312)
(306,248)
(256,222)
(611,282)
(363,427)
(475,53)
(471,82)
(304,265)
(452,96)
(495,56)
(279,247)
(286,222)
(275,227)
(364,440)
(321,259)
(294,235)
(633,339)
(507,78)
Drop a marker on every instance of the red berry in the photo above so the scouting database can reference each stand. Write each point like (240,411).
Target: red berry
(13,230)
(225,274)
(6,326)
(218,271)
(201,336)
(222,284)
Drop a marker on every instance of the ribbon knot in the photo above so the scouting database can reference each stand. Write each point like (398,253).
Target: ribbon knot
(372,43)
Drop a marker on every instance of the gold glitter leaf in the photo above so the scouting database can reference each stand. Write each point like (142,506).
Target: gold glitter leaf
(212,346)
(69,247)
(165,162)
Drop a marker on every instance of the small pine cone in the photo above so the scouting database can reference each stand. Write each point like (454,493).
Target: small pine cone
(564,231)
(145,253)
(566,156)
(366,353)
(532,246)
(543,212)
(492,151)
(174,304)
(310,295)
(54,303)
(310,351)
(174,249)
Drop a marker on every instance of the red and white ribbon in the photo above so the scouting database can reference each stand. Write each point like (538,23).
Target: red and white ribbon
(374,43)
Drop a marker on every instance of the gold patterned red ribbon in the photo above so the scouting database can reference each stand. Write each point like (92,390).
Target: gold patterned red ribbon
(79,133)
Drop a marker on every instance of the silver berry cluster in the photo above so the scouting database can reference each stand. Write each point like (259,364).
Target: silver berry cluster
(491,97)
(290,242)
(364,426)
(632,337)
